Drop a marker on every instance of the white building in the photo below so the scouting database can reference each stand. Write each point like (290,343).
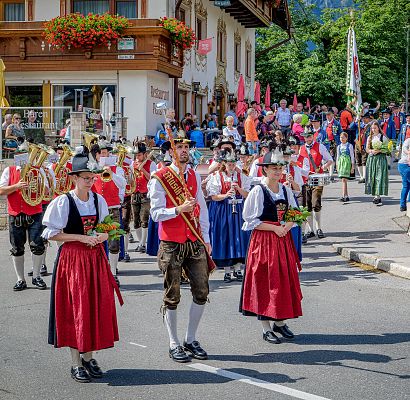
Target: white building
(144,73)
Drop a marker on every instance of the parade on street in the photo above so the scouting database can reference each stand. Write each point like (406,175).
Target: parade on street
(204,199)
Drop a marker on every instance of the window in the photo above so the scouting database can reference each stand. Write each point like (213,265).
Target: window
(238,57)
(182,15)
(14,11)
(183,102)
(221,47)
(125,8)
(199,29)
(248,62)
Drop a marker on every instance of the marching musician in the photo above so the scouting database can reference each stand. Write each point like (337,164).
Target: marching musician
(244,159)
(271,289)
(317,154)
(24,223)
(143,168)
(184,234)
(222,144)
(256,171)
(362,135)
(228,188)
(333,130)
(113,191)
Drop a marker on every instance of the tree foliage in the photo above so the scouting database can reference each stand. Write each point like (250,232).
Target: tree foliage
(313,63)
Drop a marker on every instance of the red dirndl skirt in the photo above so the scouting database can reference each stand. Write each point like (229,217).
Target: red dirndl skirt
(84,304)
(271,286)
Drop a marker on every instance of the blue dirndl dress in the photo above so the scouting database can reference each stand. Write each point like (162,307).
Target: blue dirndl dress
(153,238)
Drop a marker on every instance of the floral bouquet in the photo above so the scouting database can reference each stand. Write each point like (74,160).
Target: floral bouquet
(108,225)
(385,148)
(297,215)
(181,35)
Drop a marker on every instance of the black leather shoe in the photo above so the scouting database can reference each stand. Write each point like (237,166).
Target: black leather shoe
(131,238)
(238,275)
(142,249)
(178,354)
(284,331)
(30,273)
(43,270)
(39,283)
(270,337)
(126,257)
(403,209)
(196,350)
(80,374)
(20,285)
(227,278)
(310,235)
(92,368)
(320,234)
(304,239)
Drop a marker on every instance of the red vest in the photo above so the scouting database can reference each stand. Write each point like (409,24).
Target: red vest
(226,186)
(108,190)
(284,176)
(259,173)
(315,153)
(407,133)
(141,180)
(176,229)
(15,202)
(329,130)
(385,124)
(396,120)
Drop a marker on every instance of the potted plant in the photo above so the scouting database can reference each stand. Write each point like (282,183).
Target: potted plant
(181,35)
(85,32)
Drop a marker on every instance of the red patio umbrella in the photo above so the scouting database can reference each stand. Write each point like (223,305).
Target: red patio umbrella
(257,96)
(241,106)
(267,98)
(295,102)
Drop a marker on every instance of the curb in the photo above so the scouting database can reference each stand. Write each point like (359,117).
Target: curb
(385,265)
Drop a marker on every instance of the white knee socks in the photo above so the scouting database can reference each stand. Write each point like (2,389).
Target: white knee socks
(113,258)
(227,270)
(195,314)
(144,235)
(43,261)
(126,242)
(170,320)
(18,263)
(316,217)
(37,261)
(138,233)
(360,169)
(364,172)
(75,358)
(309,223)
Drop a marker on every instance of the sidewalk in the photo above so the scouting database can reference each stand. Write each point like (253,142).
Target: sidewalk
(365,233)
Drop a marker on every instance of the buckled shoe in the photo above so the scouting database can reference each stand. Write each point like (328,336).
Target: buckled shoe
(196,350)
(80,374)
(39,283)
(178,354)
(284,331)
(92,368)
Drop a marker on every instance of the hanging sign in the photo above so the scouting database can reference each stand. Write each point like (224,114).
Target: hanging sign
(222,3)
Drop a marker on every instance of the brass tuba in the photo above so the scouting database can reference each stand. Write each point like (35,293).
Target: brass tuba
(64,180)
(34,193)
(90,139)
(128,173)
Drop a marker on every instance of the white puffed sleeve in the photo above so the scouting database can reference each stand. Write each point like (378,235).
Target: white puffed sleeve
(214,187)
(253,209)
(102,208)
(246,182)
(56,216)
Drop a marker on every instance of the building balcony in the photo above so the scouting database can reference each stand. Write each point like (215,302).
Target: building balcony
(260,13)
(22,48)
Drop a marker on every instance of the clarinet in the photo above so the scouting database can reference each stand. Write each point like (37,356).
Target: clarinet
(233,200)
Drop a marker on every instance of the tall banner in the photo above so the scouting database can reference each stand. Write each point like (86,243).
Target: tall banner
(353,77)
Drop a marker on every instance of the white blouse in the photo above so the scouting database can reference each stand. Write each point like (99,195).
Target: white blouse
(214,185)
(56,216)
(253,206)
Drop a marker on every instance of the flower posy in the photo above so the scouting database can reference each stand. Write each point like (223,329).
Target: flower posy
(297,215)
(181,35)
(86,32)
(108,225)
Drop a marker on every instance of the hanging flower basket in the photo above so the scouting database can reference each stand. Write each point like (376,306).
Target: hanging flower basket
(181,35)
(85,32)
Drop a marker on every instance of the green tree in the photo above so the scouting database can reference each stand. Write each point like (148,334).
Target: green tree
(313,63)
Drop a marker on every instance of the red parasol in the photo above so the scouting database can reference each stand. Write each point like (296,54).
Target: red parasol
(241,107)
(295,102)
(257,96)
(267,98)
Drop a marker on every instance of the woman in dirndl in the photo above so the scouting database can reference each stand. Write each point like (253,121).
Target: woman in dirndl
(271,289)
(377,173)
(82,307)
(228,188)
(345,163)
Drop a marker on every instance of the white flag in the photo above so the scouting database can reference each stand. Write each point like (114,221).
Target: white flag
(353,78)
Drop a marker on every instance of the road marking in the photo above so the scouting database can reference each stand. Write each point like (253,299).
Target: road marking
(139,345)
(257,382)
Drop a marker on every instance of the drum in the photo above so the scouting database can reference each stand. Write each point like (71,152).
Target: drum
(319,180)
(202,170)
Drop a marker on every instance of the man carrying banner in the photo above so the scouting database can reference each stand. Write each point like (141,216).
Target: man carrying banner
(178,204)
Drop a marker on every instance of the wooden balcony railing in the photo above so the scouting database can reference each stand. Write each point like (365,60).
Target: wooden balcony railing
(22,48)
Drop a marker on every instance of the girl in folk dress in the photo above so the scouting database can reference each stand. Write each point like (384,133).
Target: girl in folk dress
(82,306)
(345,163)
(271,289)
(228,188)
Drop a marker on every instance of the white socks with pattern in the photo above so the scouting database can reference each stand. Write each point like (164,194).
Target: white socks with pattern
(316,217)
(144,235)
(195,314)
(170,319)
(18,263)
(37,261)
(113,258)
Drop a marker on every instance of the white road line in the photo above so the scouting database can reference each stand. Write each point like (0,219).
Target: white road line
(139,345)
(256,382)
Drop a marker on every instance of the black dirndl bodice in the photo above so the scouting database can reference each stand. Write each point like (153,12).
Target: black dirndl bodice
(273,211)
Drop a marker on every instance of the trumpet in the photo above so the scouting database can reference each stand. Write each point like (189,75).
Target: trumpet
(35,192)
(128,173)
